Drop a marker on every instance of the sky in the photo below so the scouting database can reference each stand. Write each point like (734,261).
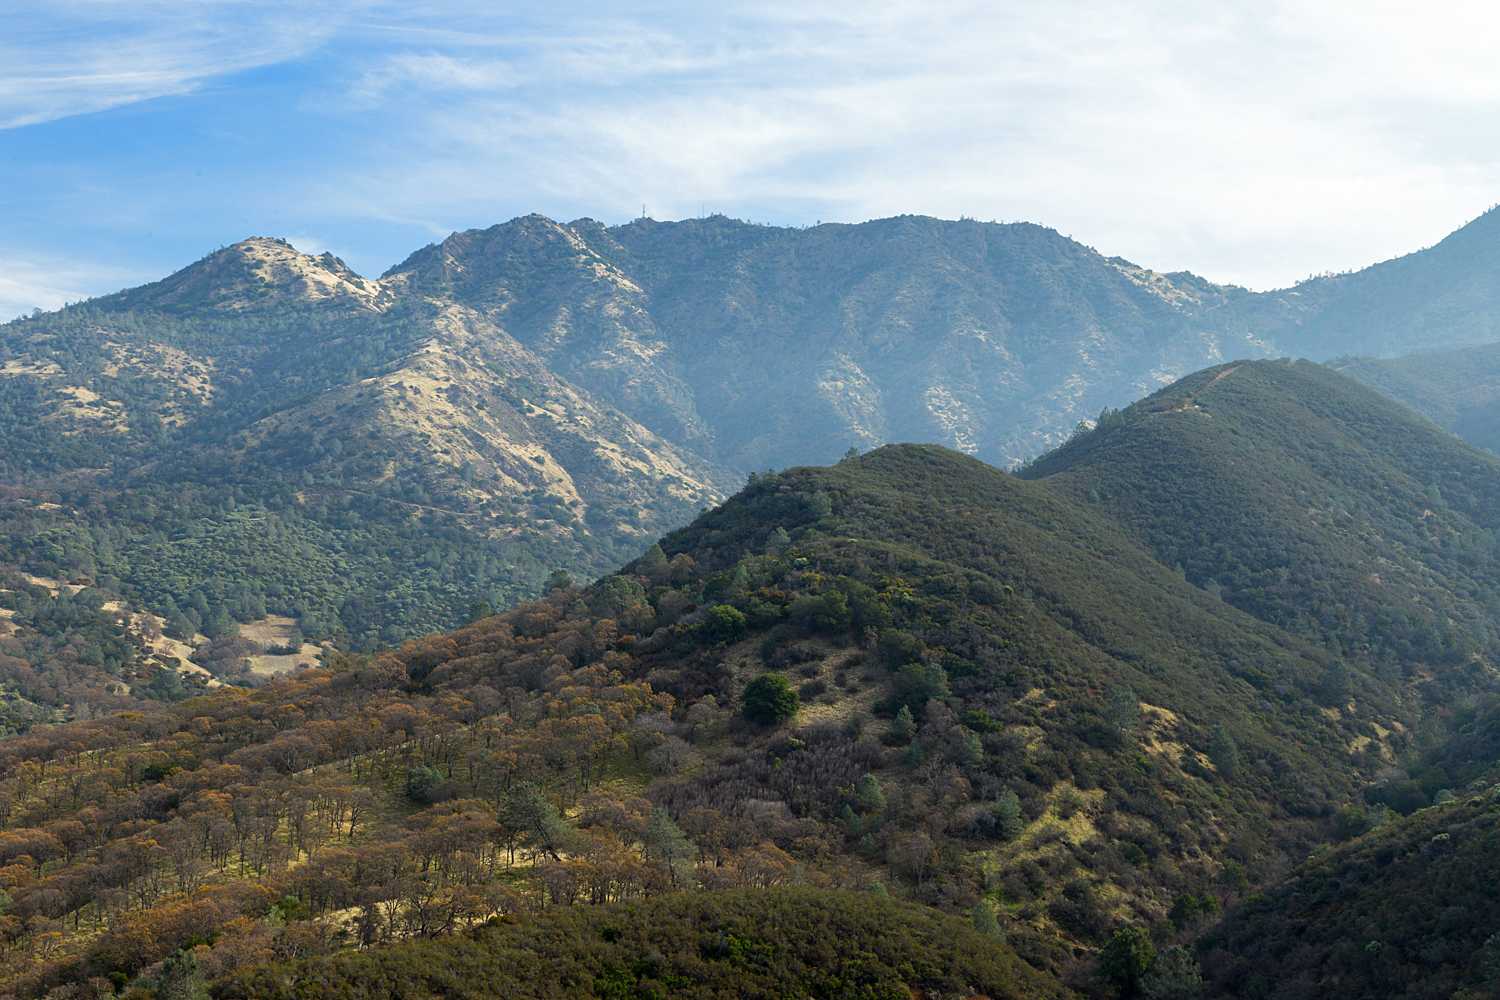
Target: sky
(1254,143)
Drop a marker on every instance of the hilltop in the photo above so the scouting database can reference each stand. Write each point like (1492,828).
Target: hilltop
(266,436)
(1310,501)
(1002,698)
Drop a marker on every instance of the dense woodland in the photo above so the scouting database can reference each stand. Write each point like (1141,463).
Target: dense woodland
(213,464)
(987,700)
(1109,713)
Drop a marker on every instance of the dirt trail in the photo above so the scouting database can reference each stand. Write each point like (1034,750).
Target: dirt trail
(1219,377)
(1191,403)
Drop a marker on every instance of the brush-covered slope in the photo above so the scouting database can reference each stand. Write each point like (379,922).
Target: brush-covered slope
(757,945)
(267,433)
(1306,499)
(1001,702)
(1457,390)
(1407,909)
(759,346)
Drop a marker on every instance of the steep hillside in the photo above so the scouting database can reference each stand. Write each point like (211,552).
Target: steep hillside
(758,346)
(1457,390)
(266,433)
(1308,500)
(1408,909)
(983,697)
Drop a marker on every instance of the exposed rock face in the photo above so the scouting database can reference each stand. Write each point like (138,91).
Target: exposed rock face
(757,346)
(257,273)
(295,362)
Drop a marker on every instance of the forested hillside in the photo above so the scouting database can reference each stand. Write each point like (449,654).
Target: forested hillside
(1302,497)
(908,674)
(1457,390)
(266,434)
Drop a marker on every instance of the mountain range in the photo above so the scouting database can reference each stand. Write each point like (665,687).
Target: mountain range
(267,433)
(1192,704)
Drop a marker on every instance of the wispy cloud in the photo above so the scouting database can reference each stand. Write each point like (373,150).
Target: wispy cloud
(79,56)
(48,282)
(1253,142)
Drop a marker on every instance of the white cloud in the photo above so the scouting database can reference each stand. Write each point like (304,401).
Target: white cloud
(48,283)
(1251,142)
(79,56)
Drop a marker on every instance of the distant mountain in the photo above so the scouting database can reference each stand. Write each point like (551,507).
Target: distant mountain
(1447,295)
(758,346)
(265,432)
(1458,390)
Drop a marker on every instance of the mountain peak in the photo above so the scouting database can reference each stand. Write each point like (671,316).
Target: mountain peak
(256,273)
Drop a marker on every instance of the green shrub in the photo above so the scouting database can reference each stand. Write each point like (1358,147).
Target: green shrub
(1127,958)
(724,623)
(768,699)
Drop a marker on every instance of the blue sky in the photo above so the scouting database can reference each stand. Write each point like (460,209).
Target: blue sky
(1250,142)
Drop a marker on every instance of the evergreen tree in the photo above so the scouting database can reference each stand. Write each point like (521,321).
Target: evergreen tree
(1338,683)
(868,795)
(769,698)
(653,561)
(1224,753)
(1175,976)
(905,725)
(984,919)
(668,846)
(527,811)
(1490,962)
(1127,958)
(1008,818)
(180,978)
(972,751)
(1124,712)
(935,683)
